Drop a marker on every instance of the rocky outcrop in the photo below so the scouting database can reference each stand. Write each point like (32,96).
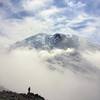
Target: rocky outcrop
(9,95)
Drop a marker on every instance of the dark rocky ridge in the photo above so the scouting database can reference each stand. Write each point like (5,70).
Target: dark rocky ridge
(9,95)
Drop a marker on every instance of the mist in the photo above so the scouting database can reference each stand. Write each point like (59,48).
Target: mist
(22,68)
(21,20)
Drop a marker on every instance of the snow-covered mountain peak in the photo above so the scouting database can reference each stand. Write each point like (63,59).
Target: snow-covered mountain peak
(45,41)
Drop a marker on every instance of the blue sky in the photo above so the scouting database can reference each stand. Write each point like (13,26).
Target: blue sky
(22,18)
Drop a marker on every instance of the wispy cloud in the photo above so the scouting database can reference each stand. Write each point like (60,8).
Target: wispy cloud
(25,17)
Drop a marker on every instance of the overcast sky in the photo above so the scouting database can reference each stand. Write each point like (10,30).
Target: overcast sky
(22,18)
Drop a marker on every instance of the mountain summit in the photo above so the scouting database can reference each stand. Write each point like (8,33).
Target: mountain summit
(46,41)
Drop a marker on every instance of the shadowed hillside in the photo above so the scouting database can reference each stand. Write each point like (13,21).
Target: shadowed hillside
(9,95)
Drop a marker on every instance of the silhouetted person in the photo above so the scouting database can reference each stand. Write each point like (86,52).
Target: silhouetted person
(29,89)
(30,95)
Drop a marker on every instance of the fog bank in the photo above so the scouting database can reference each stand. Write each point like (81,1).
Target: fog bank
(22,68)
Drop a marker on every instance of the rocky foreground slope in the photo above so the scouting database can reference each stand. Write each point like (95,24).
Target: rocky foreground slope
(8,95)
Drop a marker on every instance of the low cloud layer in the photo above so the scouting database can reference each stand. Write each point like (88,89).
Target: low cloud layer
(22,68)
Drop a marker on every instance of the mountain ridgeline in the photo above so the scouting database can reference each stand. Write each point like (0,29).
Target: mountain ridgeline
(49,42)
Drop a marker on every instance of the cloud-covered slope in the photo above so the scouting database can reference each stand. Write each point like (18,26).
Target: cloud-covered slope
(61,51)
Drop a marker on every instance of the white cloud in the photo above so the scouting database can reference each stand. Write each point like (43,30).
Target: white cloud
(18,30)
(93,57)
(92,27)
(74,4)
(35,5)
(50,12)
(50,54)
